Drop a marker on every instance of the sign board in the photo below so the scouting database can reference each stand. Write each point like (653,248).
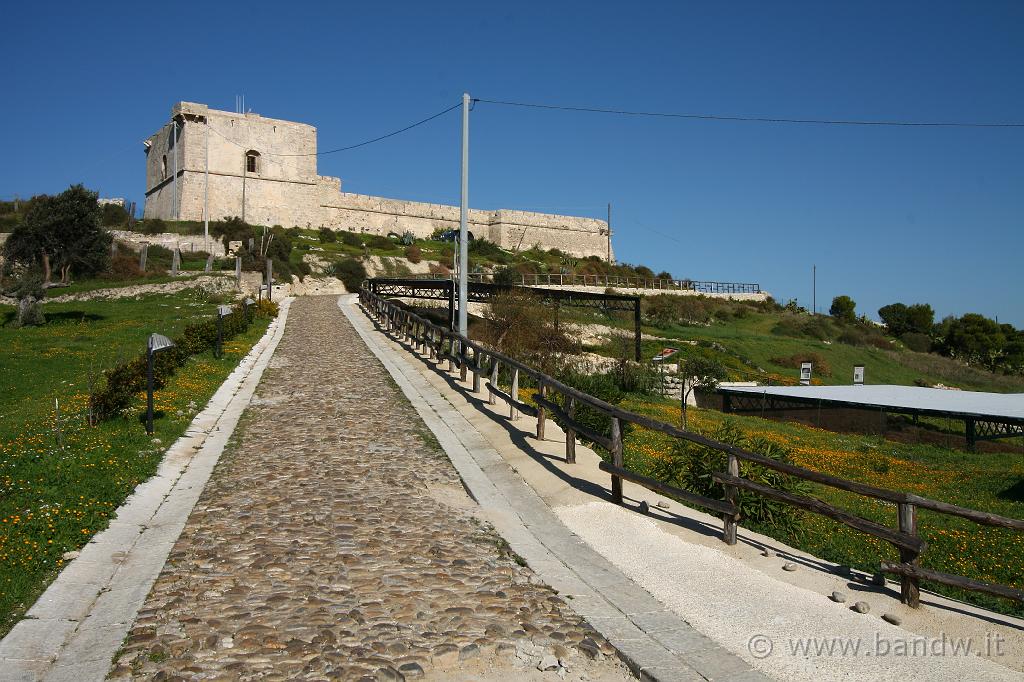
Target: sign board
(664,354)
(858,375)
(805,374)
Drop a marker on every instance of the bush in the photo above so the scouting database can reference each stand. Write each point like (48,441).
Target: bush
(413,253)
(794,361)
(351,272)
(124,382)
(917,342)
(487,249)
(603,387)
(327,236)
(507,275)
(853,337)
(843,308)
(691,466)
(377,241)
(153,226)
(123,266)
(438,269)
(350,239)
(113,215)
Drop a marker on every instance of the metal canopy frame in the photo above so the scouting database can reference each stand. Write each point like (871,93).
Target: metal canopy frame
(484,292)
(977,427)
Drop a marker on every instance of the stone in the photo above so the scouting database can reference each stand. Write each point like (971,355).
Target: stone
(789,566)
(590,648)
(644,507)
(469,651)
(547,663)
(662,504)
(838,597)
(892,618)
(878,579)
(861,607)
(411,670)
(768,552)
(70,556)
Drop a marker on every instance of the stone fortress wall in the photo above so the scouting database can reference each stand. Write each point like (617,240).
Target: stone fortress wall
(286,190)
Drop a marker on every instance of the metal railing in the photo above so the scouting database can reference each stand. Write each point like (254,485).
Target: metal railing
(613,281)
(561,402)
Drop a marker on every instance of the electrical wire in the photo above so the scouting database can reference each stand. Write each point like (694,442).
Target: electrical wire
(757,119)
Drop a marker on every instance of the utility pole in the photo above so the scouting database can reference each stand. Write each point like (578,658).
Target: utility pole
(206,192)
(609,233)
(814,289)
(463,219)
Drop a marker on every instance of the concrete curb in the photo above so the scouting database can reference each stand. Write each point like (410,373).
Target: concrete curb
(77,626)
(653,641)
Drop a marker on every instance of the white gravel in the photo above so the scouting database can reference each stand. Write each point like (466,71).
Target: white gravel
(763,620)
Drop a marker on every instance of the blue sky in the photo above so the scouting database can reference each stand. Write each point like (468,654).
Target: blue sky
(887,214)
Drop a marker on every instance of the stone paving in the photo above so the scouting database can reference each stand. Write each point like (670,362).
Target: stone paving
(335,541)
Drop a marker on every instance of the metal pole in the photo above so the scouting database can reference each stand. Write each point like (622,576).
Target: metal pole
(149,393)
(463,218)
(270,277)
(245,172)
(206,192)
(814,289)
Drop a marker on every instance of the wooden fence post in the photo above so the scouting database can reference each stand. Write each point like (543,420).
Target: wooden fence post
(616,460)
(462,363)
(477,368)
(570,435)
(513,413)
(494,380)
(730,520)
(910,588)
(540,413)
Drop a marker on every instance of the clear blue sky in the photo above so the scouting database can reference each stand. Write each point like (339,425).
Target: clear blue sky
(887,214)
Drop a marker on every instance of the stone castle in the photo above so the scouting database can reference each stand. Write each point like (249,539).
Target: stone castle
(265,171)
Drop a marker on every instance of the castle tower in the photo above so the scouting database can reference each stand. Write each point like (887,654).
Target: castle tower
(262,169)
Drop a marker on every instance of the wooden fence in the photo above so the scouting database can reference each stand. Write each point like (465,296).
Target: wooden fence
(560,401)
(556,279)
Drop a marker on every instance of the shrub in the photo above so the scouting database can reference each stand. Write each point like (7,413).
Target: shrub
(408,239)
(486,249)
(377,241)
(843,308)
(123,266)
(794,361)
(113,215)
(818,327)
(153,226)
(853,337)
(122,383)
(917,342)
(350,239)
(413,253)
(438,269)
(691,466)
(327,236)
(351,272)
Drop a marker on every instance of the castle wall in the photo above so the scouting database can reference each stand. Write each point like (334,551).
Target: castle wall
(286,190)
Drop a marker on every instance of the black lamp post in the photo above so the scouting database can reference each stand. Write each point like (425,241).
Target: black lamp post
(222,311)
(156,343)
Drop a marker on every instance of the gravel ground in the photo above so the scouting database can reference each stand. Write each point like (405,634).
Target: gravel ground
(334,541)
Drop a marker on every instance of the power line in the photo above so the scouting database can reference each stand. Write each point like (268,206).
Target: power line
(382,137)
(758,119)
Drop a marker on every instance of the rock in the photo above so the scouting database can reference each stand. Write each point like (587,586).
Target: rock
(861,607)
(644,507)
(156,441)
(411,670)
(843,570)
(878,579)
(892,618)
(838,597)
(69,556)
(662,504)
(768,552)
(789,566)
(180,413)
(227,643)
(469,651)
(547,663)
(589,648)
(389,674)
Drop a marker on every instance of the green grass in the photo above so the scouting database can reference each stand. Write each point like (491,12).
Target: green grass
(747,348)
(991,482)
(61,480)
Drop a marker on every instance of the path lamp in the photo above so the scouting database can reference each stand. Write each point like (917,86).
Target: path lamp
(156,343)
(222,312)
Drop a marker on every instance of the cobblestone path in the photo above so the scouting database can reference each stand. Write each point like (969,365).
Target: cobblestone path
(334,541)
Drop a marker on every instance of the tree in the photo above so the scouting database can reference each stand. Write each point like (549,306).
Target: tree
(843,308)
(698,372)
(61,233)
(29,292)
(894,317)
(974,339)
(901,319)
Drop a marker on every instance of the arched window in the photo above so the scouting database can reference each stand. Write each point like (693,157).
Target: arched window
(163,167)
(252,161)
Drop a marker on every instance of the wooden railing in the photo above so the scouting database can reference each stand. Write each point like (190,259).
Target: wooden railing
(561,401)
(555,279)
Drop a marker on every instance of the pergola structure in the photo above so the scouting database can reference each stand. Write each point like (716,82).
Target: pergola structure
(484,292)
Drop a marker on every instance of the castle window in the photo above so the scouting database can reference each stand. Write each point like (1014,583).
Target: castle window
(252,162)
(163,167)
